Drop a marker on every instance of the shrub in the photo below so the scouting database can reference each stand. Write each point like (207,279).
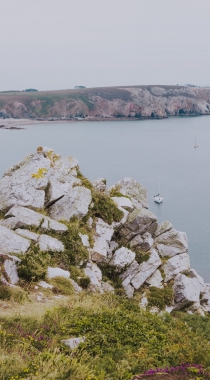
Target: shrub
(160,297)
(33,265)
(78,275)
(12,294)
(62,285)
(105,208)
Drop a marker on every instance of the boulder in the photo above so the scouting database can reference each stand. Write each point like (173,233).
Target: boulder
(10,242)
(146,269)
(147,242)
(172,243)
(193,274)
(11,270)
(103,229)
(137,241)
(136,192)
(99,185)
(143,302)
(100,249)
(123,202)
(73,343)
(57,272)
(45,285)
(107,288)
(176,265)
(47,243)
(94,274)
(164,227)
(76,287)
(128,288)
(186,291)
(155,280)
(74,203)
(138,222)
(85,240)
(19,216)
(122,257)
(27,234)
(56,190)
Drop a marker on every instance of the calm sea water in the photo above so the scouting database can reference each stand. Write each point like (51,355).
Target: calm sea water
(137,149)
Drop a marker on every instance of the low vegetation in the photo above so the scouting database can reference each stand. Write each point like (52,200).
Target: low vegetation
(121,341)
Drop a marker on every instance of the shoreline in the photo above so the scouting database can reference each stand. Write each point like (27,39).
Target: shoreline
(19,124)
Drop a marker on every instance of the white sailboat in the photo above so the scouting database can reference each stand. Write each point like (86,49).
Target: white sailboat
(158,198)
(196,145)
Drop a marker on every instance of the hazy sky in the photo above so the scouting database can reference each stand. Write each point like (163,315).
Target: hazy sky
(57,44)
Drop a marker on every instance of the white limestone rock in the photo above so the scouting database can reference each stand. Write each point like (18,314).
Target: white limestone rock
(164,227)
(155,280)
(76,287)
(56,190)
(123,202)
(94,274)
(147,242)
(122,257)
(143,302)
(103,229)
(19,216)
(27,234)
(45,285)
(130,271)
(146,269)
(100,185)
(138,222)
(24,184)
(11,271)
(176,265)
(137,241)
(193,274)
(186,290)
(134,190)
(90,222)
(57,272)
(73,343)
(47,243)
(85,240)
(175,242)
(107,288)
(10,242)
(112,247)
(75,203)
(100,249)
(128,288)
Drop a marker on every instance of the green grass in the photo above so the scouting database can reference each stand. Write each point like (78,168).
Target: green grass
(121,341)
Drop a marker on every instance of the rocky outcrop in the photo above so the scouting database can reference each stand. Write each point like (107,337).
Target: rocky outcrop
(132,102)
(132,253)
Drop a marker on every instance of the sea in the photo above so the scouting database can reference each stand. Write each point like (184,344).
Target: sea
(140,150)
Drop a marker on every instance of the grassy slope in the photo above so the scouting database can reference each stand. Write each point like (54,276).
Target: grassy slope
(120,341)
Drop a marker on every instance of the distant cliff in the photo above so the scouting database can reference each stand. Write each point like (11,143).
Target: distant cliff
(140,102)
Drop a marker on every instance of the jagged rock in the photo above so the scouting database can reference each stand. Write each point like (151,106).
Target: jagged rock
(193,274)
(74,203)
(100,249)
(164,227)
(23,217)
(130,271)
(27,234)
(47,243)
(128,288)
(144,302)
(24,184)
(76,287)
(205,301)
(103,229)
(123,202)
(10,242)
(57,272)
(45,285)
(94,274)
(100,185)
(73,343)
(85,240)
(176,265)
(172,243)
(122,257)
(64,168)
(136,242)
(186,290)
(112,247)
(138,222)
(147,242)
(106,287)
(90,222)
(146,269)
(196,308)
(155,280)
(56,190)
(134,190)
(11,270)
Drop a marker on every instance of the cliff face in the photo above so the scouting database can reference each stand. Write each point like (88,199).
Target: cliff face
(108,102)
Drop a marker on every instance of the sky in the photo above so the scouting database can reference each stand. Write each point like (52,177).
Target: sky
(58,44)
